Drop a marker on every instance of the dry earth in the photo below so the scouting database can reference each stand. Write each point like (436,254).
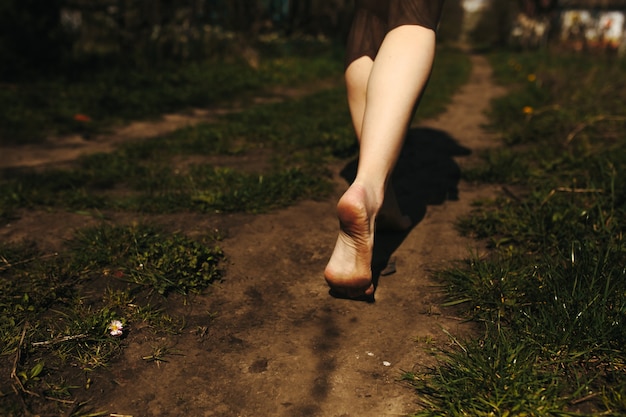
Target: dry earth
(269,340)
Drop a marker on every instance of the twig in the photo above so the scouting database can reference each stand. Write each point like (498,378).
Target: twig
(16,360)
(14,375)
(511,194)
(585,398)
(19,396)
(454,339)
(578,190)
(571,190)
(59,400)
(60,340)
(8,264)
(593,120)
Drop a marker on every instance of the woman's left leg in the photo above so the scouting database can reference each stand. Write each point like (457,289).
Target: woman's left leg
(397,77)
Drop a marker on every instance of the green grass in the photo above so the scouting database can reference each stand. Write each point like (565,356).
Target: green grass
(147,257)
(552,295)
(56,309)
(145,176)
(154,176)
(451,69)
(108,95)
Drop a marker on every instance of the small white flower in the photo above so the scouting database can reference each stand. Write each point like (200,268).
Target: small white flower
(115,328)
(387,363)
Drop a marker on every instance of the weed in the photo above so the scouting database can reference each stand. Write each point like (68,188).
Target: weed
(143,255)
(159,353)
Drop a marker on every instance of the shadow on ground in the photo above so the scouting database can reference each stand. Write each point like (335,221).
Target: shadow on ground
(426,174)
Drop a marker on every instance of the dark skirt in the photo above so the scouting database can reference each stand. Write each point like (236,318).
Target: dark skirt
(373,19)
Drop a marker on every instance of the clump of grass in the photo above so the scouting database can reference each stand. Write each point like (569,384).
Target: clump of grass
(112,94)
(146,256)
(57,310)
(553,339)
(553,293)
(496,376)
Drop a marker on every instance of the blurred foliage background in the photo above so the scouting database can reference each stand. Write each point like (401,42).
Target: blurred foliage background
(67,36)
(40,38)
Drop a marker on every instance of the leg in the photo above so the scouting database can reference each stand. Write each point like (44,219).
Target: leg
(396,79)
(357,76)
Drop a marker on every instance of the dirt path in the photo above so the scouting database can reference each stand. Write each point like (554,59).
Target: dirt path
(279,345)
(270,341)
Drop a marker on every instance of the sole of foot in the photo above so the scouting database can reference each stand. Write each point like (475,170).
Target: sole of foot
(349,273)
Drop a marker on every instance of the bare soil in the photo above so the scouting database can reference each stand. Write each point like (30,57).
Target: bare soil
(269,340)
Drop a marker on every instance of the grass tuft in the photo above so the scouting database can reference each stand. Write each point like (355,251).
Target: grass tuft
(552,295)
(58,311)
(145,256)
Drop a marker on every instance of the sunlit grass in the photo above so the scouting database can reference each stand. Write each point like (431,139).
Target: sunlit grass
(167,174)
(552,295)
(143,177)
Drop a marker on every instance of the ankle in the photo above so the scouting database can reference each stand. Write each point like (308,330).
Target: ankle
(372,198)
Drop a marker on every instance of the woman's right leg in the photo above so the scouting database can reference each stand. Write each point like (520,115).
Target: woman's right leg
(396,79)
(357,76)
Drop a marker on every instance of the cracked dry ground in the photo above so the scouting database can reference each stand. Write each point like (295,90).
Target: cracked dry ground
(273,342)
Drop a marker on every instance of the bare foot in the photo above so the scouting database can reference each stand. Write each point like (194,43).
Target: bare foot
(349,272)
